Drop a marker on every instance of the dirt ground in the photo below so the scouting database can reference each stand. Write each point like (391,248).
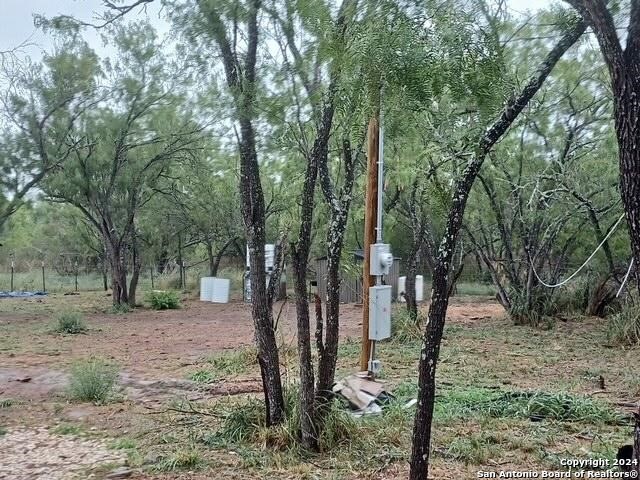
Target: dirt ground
(158,352)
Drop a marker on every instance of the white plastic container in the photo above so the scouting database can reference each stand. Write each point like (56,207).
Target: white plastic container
(206,289)
(214,289)
(419,288)
(220,292)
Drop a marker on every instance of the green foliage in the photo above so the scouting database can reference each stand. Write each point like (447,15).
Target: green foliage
(71,323)
(6,402)
(624,326)
(403,328)
(92,380)
(120,309)
(534,308)
(534,405)
(182,459)
(163,299)
(226,364)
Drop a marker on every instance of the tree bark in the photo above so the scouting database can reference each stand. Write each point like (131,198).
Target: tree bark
(419,465)
(624,70)
(137,266)
(340,205)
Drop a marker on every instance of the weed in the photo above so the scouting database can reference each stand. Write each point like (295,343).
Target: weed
(67,429)
(3,431)
(163,299)
(185,458)
(120,308)
(624,326)
(71,323)
(403,328)
(123,444)
(6,402)
(235,362)
(92,380)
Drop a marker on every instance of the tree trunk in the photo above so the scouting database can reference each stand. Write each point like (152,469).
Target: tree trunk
(628,132)
(419,465)
(213,269)
(410,284)
(137,266)
(340,206)
(308,434)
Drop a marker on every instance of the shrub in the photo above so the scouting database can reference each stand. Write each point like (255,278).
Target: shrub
(624,326)
(92,380)
(71,323)
(163,299)
(403,328)
(120,308)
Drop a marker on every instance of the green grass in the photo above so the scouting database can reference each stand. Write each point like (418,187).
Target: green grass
(181,459)
(92,380)
(226,364)
(624,326)
(67,429)
(163,299)
(70,323)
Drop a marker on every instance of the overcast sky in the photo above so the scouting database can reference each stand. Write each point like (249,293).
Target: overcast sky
(16,19)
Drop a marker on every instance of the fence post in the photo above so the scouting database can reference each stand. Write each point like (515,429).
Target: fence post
(152,286)
(12,268)
(76,272)
(44,285)
(184,275)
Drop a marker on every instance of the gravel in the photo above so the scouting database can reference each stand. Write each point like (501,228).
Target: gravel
(37,454)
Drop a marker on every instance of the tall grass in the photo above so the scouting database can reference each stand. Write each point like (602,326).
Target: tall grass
(92,380)
(624,326)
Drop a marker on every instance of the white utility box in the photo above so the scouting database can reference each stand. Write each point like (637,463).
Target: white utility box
(220,290)
(206,289)
(214,289)
(379,312)
(269,257)
(381,259)
(419,288)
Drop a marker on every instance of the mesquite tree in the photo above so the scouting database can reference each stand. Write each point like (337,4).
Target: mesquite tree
(123,151)
(41,104)
(233,28)
(440,287)
(624,70)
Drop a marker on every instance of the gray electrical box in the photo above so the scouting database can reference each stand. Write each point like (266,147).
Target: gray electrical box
(379,312)
(381,259)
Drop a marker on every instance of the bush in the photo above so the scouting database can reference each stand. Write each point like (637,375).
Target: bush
(92,380)
(624,326)
(163,299)
(70,323)
(403,328)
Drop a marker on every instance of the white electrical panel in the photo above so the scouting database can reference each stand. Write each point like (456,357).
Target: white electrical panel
(379,312)
(269,257)
(381,259)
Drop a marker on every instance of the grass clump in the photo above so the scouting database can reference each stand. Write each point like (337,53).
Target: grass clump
(403,328)
(70,323)
(92,380)
(624,326)
(163,299)
(6,402)
(226,364)
(182,459)
(120,308)
(536,406)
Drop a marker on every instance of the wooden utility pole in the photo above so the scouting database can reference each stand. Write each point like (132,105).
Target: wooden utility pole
(370,216)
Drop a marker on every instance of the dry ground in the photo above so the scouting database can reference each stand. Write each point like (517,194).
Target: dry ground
(159,352)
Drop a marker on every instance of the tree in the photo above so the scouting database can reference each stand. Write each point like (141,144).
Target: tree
(440,287)
(624,69)
(232,26)
(123,150)
(41,104)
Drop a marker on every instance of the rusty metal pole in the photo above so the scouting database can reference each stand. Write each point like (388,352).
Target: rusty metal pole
(370,217)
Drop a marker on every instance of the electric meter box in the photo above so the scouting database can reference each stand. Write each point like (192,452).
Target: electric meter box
(379,312)
(381,259)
